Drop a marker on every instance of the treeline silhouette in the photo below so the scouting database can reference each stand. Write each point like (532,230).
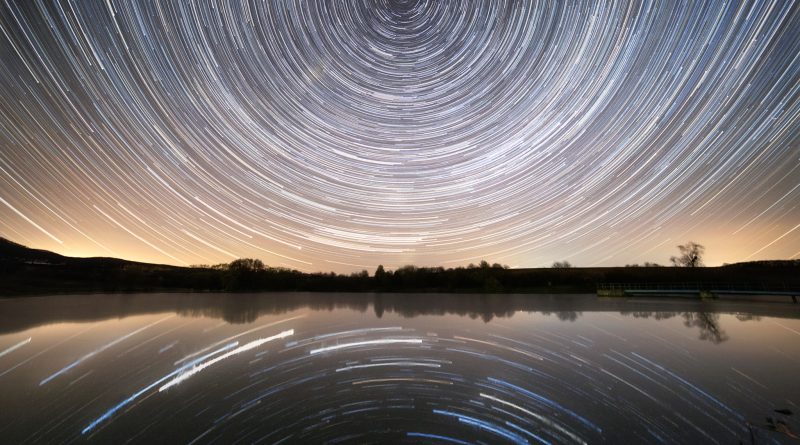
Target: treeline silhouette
(24,313)
(31,271)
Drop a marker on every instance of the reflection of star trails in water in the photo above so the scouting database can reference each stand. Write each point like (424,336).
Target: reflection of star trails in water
(130,399)
(233,337)
(785,327)
(526,375)
(201,366)
(48,349)
(400,364)
(402,379)
(99,350)
(387,341)
(188,370)
(539,417)
(16,346)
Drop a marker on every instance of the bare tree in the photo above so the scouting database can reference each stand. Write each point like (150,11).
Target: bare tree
(691,255)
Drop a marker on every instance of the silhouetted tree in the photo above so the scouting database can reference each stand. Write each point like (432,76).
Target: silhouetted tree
(24,270)
(691,255)
(243,273)
(381,278)
(561,265)
(646,264)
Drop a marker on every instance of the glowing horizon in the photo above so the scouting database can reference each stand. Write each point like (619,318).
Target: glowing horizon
(342,136)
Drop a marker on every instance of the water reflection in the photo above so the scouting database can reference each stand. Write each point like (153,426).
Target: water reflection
(24,313)
(355,368)
(706,322)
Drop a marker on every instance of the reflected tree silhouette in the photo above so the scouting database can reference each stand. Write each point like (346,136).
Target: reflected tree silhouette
(708,323)
(377,306)
(20,314)
(747,317)
(568,315)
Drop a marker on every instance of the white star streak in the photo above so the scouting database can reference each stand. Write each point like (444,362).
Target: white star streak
(91,354)
(385,341)
(356,133)
(30,221)
(15,347)
(201,366)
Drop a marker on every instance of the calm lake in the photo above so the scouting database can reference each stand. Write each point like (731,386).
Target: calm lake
(356,368)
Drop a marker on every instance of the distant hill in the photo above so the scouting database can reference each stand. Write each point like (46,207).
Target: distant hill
(11,251)
(34,271)
(25,271)
(765,264)
(14,252)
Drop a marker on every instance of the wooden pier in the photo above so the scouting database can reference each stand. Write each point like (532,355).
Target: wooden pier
(700,290)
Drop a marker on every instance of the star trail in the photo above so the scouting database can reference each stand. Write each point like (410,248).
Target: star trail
(343,135)
(574,370)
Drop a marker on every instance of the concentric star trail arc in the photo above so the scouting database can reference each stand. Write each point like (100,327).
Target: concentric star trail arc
(322,135)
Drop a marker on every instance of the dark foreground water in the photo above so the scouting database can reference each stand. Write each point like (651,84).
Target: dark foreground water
(345,368)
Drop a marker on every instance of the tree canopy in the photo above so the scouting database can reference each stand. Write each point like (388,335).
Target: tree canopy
(691,255)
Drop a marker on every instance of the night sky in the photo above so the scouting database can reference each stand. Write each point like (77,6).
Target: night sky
(345,134)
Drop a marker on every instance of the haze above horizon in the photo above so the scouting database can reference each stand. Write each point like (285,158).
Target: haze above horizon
(340,136)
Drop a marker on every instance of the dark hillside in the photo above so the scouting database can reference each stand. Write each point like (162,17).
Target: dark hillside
(32,271)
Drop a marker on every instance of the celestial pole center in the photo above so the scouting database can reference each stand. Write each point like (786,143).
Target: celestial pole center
(342,135)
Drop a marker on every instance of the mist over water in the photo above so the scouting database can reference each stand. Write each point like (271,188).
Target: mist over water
(354,368)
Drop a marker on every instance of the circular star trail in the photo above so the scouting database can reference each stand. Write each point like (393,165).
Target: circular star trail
(341,135)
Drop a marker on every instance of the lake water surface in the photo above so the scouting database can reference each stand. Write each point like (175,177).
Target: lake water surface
(364,368)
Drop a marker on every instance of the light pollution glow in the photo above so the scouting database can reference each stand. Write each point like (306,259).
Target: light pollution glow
(342,135)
